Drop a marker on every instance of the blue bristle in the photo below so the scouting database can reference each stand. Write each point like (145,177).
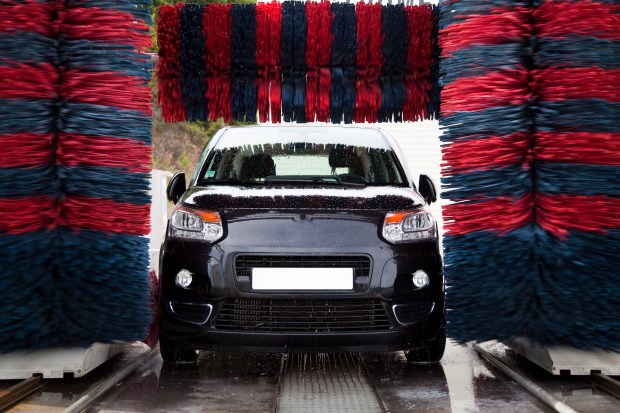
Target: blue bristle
(393,92)
(336,94)
(586,115)
(41,181)
(349,42)
(107,121)
(480,60)
(495,121)
(300,25)
(287,59)
(103,182)
(243,62)
(27,48)
(65,304)
(520,271)
(576,179)
(26,116)
(192,54)
(342,61)
(577,51)
(103,57)
(434,94)
(499,182)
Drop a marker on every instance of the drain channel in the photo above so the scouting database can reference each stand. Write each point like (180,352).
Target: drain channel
(325,383)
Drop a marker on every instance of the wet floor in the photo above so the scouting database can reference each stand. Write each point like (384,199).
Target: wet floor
(259,382)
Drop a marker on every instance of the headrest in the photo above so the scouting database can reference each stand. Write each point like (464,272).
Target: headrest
(338,157)
(259,165)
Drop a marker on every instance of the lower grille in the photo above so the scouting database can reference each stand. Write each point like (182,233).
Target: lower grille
(411,313)
(192,313)
(319,316)
(360,263)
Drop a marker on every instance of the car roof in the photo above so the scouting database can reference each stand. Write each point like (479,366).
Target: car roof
(319,134)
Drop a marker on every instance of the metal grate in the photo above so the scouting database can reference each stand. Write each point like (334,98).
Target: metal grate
(318,316)
(245,263)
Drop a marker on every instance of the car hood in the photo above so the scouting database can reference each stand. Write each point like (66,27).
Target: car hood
(337,198)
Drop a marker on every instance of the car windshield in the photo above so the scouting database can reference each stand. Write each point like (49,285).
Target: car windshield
(302,163)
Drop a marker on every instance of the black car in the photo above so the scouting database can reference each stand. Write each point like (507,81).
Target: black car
(301,238)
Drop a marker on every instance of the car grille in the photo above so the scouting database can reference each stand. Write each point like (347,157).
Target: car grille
(245,263)
(320,316)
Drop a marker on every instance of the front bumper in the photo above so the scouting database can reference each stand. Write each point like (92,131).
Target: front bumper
(383,311)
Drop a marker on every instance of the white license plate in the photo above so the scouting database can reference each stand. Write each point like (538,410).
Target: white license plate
(302,278)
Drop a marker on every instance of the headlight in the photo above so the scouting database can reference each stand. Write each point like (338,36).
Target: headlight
(195,224)
(407,226)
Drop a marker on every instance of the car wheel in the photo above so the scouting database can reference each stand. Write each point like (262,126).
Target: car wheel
(431,352)
(174,352)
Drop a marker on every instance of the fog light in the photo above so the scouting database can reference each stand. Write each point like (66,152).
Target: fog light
(184,278)
(420,279)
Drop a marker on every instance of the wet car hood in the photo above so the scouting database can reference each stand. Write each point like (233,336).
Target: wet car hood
(324,198)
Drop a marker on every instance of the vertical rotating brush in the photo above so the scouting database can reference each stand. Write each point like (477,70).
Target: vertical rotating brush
(84,243)
(28,183)
(531,227)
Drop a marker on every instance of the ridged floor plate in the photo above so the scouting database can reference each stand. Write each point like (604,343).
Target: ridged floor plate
(313,383)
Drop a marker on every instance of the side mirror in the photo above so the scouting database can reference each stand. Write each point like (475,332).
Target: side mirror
(176,187)
(427,189)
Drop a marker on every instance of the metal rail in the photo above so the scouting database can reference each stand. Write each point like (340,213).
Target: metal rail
(19,391)
(606,383)
(532,387)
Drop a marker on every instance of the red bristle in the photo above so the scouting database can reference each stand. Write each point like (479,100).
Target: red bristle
(21,81)
(28,16)
(26,150)
(216,28)
(369,62)
(419,60)
(262,60)
(498,27)
(485,153)
(584,18)
(312,64)
(169,67)
(506,87)
(562,213)
(570,83)
(76,150)
(105,25)
(499,215)
(274,16)
(28,214)
(106,88)
(578,147)
(324,40)
(105,215)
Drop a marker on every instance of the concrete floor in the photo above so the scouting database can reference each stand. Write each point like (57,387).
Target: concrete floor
(255,382)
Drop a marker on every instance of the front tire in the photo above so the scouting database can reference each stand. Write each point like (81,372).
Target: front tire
(174,352)
(431,352)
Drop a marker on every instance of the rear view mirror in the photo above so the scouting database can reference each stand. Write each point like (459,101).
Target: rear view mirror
(427,189)
(176,187)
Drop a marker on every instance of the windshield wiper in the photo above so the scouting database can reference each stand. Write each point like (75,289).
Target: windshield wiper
(317,180)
